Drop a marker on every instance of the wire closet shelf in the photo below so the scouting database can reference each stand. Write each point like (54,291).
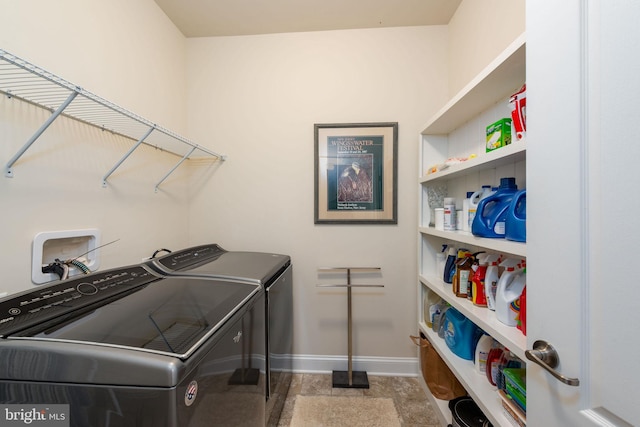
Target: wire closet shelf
(32,84)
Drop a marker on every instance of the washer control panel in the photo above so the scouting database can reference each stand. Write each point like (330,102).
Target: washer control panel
(49,301)
(187,258)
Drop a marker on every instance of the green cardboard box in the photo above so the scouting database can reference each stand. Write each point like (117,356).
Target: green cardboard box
(498,134)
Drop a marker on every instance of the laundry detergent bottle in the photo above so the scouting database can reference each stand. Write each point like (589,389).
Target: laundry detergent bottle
(474,200)
(478,296)
(450,265)
(491,278)
(491,213)
(516,221)
(522,318)
(510,287)
(464,273)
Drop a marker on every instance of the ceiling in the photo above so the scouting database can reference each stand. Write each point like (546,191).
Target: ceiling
(209,18)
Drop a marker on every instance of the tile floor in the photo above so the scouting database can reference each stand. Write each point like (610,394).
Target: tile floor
(408,396)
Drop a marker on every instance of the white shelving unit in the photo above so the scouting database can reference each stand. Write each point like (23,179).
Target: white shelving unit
(25,81)
(457,130)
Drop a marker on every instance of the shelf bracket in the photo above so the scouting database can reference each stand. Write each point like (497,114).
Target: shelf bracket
(131,150)
(8,169)
(186,156)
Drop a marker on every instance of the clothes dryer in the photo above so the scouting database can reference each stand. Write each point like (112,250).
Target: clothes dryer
(274,273)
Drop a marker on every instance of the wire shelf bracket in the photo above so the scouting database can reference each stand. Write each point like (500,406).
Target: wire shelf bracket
(30,83)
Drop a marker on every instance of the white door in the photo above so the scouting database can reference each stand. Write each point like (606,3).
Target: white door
(583,182)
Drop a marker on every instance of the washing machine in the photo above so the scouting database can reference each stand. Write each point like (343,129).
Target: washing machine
(274,273)
(126,347)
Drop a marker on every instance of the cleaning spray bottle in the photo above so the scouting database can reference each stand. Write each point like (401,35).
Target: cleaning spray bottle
(510,287)
(491,278)
(474,267)
(478,296)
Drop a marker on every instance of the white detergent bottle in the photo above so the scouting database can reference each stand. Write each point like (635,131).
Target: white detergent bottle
(484,346)
(491,278)
(466,207)
(474,199)
(510,288)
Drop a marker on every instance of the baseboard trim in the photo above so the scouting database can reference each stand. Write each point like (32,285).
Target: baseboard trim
(383,366)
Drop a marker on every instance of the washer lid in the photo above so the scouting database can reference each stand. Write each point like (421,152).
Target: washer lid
(171,316)
(213,261)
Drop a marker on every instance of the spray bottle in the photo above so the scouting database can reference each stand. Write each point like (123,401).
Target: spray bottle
(510,288)
(491,278)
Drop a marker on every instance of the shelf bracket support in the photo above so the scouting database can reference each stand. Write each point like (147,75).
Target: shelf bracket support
(8,169)
(131,150)
(186,156)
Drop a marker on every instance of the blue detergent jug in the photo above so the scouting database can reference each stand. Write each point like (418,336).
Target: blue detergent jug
(492,210)
(516,224)
(460,334)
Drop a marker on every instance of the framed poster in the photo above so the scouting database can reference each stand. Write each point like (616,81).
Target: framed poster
(356,173)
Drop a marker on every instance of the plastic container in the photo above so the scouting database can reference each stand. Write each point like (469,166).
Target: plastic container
(510,287)
(484,346)
(478,296)
(439,321)
(430,303)
(491,214)
(460,334)
(464,273)
(491,278)
(516,219)
(507,361)
(518,104)
(449,214)
(522,318)
(493,360)
(439,218)
(474,200)
(466,206)
(450,265)
(499,359)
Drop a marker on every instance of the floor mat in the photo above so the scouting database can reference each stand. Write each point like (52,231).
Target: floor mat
(340,411)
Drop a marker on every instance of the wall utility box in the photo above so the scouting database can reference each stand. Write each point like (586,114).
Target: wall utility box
(64,245)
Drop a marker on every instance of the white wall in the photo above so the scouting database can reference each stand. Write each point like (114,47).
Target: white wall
(258,97)
(254,98)
(478,32)
(129,53)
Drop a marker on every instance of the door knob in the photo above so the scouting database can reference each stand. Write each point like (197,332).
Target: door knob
(546,356)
